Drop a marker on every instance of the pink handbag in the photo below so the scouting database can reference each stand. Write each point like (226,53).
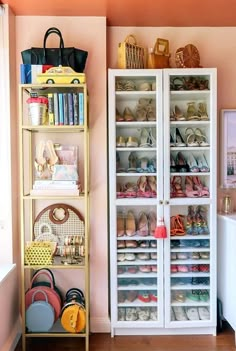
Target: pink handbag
(48,287)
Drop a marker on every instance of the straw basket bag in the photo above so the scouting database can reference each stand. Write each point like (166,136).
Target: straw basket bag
(159,56)
(130,55)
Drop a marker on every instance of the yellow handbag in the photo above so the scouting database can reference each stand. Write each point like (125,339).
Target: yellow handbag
(130,55)
(159,56)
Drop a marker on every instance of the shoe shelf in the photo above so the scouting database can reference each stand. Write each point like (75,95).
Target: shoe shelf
(41,148)
(177,113)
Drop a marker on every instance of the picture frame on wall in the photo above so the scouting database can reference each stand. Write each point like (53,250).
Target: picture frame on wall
(228,148)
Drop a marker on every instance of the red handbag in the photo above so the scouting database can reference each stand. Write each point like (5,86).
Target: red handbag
(48,287)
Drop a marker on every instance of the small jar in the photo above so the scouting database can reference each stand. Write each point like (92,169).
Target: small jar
(227,204)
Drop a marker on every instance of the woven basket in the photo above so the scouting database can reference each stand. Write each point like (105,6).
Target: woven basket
(130,55)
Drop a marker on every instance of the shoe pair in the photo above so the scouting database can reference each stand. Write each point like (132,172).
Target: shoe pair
(127,142)
(41,162)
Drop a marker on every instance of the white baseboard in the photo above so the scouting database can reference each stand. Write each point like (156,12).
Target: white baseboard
(100,325)
(13,338)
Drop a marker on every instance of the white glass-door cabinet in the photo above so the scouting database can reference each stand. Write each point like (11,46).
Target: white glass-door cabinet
(162,164)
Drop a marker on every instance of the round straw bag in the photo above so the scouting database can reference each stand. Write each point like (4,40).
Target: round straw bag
(48,288)
(40,314)
(63,221)
(73,315)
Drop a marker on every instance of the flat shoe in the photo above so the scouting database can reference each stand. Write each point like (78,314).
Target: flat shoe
(204,313)
(192,313)
(180,314)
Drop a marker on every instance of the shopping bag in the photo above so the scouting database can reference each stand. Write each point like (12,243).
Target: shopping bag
(65,56)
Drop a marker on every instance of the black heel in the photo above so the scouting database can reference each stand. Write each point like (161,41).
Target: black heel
(179,139)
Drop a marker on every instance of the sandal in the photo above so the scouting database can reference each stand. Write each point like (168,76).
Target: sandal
(191,137)
(202,111)
(189,187)
(40,160)
(130,190)
(192,114)
(203,191)
(151,110)
(119,169)
(201,138)
(142,187)
(177,187)
(177,226)
(178,115)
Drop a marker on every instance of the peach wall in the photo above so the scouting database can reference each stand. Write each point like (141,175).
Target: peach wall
(88,33)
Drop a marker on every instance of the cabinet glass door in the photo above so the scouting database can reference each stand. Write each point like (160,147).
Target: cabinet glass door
(190,188)
(136,176)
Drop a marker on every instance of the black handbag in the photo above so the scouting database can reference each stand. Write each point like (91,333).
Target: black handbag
(75,58)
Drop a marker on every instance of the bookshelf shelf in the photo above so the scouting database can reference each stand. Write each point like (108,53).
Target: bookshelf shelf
(72,194)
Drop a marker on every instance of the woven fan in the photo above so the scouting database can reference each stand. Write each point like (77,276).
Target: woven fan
(187,57)
(64,220)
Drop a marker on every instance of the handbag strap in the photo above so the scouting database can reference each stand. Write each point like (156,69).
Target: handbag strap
(45,272)
(130,39)
(53,30)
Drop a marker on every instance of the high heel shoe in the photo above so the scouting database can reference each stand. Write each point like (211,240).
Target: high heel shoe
(203,191)
(119,118)
(146,138)
(120,224)
(191,222)
(192,163)
(179,140)
(151,181)
(176,184)
(132,162)
(152,222)
(142,226)
(130,225)
(202,163)
(189,187)
(177,225)
(172,164)
(128,115)
(181,164)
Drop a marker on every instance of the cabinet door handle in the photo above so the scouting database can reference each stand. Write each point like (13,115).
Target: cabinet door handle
(167,202)
(160,202)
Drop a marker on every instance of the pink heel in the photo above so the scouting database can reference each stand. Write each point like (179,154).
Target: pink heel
(203,191)
(189,188)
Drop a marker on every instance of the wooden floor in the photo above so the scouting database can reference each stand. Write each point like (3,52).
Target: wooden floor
(224,341)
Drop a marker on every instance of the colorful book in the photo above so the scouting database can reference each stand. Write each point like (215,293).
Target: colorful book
(56,110)
(65,107)
(81,108)
(70,109)
(61,109)
(76,109)
(51,109)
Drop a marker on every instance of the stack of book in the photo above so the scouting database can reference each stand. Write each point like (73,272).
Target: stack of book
(66,109)
(55,187)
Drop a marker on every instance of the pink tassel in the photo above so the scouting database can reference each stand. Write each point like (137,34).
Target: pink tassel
(160,231)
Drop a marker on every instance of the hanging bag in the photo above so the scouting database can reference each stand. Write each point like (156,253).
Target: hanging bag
(69,56)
